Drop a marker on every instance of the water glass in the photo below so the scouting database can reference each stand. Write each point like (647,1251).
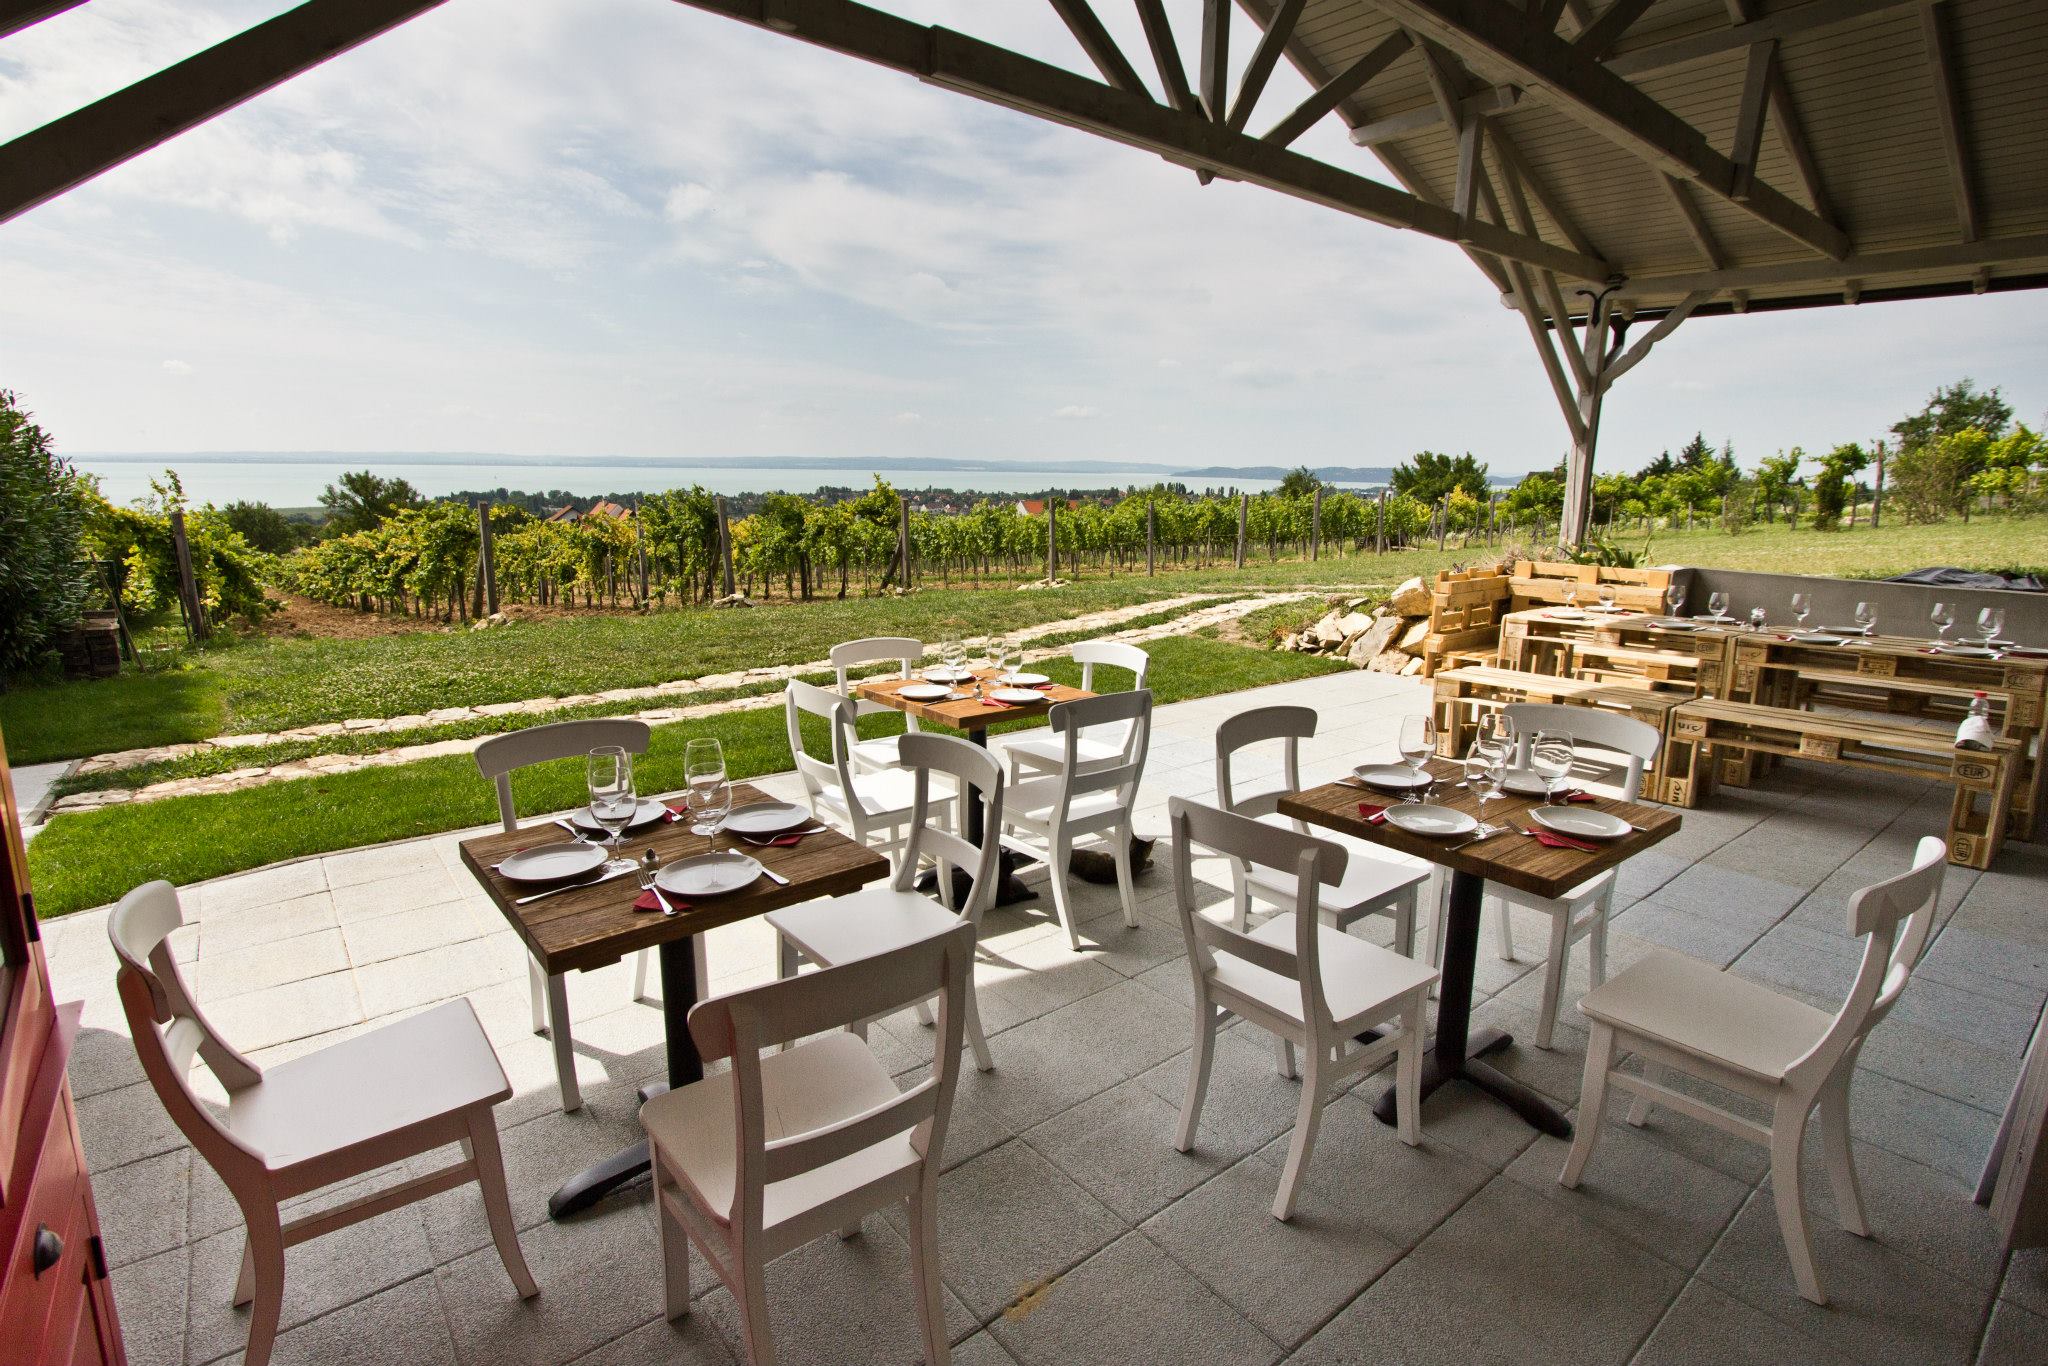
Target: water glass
(1571,593)
(1802,607)
(1418,742)
(1717,604)
(1674,598)
(1551,757)
(1493,773)
(608,774)
(709,794)
(999,657)
(1990,621)
(953,654)
(1866,618)
(1943,616)
(1606,592)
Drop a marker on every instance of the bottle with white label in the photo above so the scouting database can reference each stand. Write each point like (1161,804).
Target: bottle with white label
(1975,732)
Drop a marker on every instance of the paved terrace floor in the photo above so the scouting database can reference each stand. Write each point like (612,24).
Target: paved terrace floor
(1060,1161)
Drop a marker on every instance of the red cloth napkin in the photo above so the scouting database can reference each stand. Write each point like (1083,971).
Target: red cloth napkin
(648,903)
(1552,839)
(1374,815)
(675,812)
(991,702)
(779,842)
(1576,794)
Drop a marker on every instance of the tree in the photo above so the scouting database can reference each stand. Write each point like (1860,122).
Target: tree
(2009,464)
(1832,484)
(1431,476)
(1299,482)
(1661,466)
(1951,410)
(359,500)
(1776,476)
(1930,479)
(262,526)
(1695,454)
(44,577)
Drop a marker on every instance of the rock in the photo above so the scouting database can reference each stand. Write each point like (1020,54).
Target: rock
(1348,625)
(362,723)
(238,741)
(1413,634)
(443,715)
(734,600)
(1412,667)
(1390,662)
(1411,599)
(485,623)
(1372,641)
(1041,583)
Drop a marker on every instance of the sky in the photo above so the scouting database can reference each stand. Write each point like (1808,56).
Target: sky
(625,227)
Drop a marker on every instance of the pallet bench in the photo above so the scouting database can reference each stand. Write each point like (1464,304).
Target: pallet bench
(1461,694)
(1713,741)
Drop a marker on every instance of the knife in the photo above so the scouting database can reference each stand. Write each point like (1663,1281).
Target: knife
(521,901)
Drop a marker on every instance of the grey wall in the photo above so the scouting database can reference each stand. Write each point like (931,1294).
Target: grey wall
(1902,608)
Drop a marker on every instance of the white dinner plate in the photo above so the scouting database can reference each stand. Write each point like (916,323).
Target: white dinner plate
(1524,783)
(1390,777)
(1018,695)
(1676,623)
(766,818)
(709,874)
(944,675)
(551,862)
(1026,679)
(646,813)
(1425,818)
(1579,822)
(1721,620)
(1968,651)
(1818,638)
(925,692)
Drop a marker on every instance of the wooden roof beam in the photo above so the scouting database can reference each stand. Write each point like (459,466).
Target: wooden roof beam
(1546,281)
(1333,92)
(1500,36)
(16,15)
(1109,59)
(1265,57)
(1681,200)
(1874,269)
(1545,200)
(1785,118)
(1666,325)
(68,151)
(1599,38)
(1498,100)
(1785,23)
(1173,76)
(1749,116)
(1216,55)
(1948,107)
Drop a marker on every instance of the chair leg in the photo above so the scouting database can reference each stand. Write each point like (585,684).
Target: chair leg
(675,1256)
(537,991)
(1240,897)
(1408,1070)
(640,974)
(785,958)
(1603,911)
(1788,1193)
(1553,971)
(1592,1104)
(975,1039)
(924,1269)
(923,1011)
(1834,1145)
(490,1178)
(1283,1056)
(1639,1109)
(565,1052)
(261,1285)
(1505,928)
(1060,852)
(1308,1117)
(753,1299)
(700,959)
(1403,915)
(1198,1074)
(1125,888)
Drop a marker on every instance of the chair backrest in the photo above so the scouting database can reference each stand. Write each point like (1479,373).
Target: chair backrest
(1070,720)
(900,650)
(1117,655)
(1637,740)
(1313,863)
(740,1025)
(499,755)
(167,1025)
(1290,726)
(977,775)
(802,699)
(1894,919)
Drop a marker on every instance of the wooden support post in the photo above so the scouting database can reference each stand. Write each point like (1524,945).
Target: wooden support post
(1443,520)
(1151,534)
(1877,489)
(1244,518)
(1052,541)
(640,551)
(1315,526)
(1492,514)
(903,537)
(188,582)
(725,547)
(1379,530)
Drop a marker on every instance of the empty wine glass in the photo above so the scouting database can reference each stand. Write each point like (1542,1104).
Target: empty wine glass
(953,654)
(608,773)
(709,795)
(1571,593)
(1606,593)
(1943,616)
(1492,774)
(999,651)
(1674,598)
(1802,607)
(1418,742)
(1551,756)
(1717,604)
(1866,618)
(1990,621)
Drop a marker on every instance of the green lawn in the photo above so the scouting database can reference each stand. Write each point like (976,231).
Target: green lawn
(66,720)
(91,858)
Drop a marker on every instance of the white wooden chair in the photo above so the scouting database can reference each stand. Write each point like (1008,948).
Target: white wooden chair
(1583,911)
(785,1147)
(496,758)
(905,653)
(1305,983)
(1108,743)
(1679,1014)
(1044,818)
(875,920)
(328,1117)
(1373,882)
(875,808)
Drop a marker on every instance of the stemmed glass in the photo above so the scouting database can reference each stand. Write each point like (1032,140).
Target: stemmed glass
(1571,594)
(709,795)
(1802,607)
(1551,757)
(1606,592)
(999,651)
(608,773)
(1486,765)
(1717,604)
(1990,621)
(1674,598)
(1943,616)
(1418,742)
(1866,618)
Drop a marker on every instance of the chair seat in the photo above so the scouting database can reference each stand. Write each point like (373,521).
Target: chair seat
(820,1082)
(1699,1009)
(425,1067)
(888,792)
(1031,803)
(1098,744)
(1369,878)
(1574,896)
(1359,979)
(879,753)
(861,924)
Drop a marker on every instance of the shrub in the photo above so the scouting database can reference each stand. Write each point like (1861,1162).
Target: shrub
(44,577)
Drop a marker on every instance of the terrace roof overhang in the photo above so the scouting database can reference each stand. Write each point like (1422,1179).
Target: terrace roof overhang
(1602,163)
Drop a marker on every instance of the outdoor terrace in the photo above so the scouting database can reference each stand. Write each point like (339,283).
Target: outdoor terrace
(1061,1161)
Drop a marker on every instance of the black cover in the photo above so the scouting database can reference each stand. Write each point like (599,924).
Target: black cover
(1970,578)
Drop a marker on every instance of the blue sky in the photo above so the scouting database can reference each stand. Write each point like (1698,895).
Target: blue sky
(591,227)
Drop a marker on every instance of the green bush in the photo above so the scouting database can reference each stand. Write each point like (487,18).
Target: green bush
(44,578)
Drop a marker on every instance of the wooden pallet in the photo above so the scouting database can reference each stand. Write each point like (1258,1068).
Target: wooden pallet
(1462,694)
(1465,609)
(1542,583)
(1710,739)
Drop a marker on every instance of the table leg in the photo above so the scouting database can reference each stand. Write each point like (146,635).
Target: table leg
(1008,889)
(679,988)
(1455,1052)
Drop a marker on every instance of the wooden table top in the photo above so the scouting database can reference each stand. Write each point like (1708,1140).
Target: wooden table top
(1511,860)
(595,925)
(970,713)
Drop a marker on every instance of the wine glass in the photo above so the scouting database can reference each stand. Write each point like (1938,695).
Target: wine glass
(608,773)
(1551,757)
(1866,618)
(1717,605)
(1990,621)
(1674,598)
(1493,772)
(1571,594)
(953,654)
(1802,607)
(1943,616)
(999,652)
(1606,592)
(709,795)
(1418,742)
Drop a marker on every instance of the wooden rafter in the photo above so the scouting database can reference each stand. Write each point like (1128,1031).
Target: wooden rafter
(1173,76)
(1497,100)
(1785,23)
(1666,325)
(1216,55)
(1785,119)
(1265,57)
(1873,268)
(1689,212)
(1598,39)
(1081,21)
(1553,297)
(1749,117)
(16,15)
(1339,88)
(1948,107)
(1471,170)
(1502,36)
(68,151)
(1545,200)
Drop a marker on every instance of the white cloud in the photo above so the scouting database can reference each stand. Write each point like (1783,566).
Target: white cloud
(1076,412)
(177,367)
(907,419)
(686,202)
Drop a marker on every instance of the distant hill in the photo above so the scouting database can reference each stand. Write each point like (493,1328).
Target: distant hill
(1329,474)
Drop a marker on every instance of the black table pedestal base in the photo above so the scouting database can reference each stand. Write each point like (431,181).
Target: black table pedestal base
(1537,1112)
(593,1184)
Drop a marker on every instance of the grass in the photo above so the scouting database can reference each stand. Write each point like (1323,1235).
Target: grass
(91,858)
(65,720)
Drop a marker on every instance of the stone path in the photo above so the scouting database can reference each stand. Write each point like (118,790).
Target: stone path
(1189,622)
